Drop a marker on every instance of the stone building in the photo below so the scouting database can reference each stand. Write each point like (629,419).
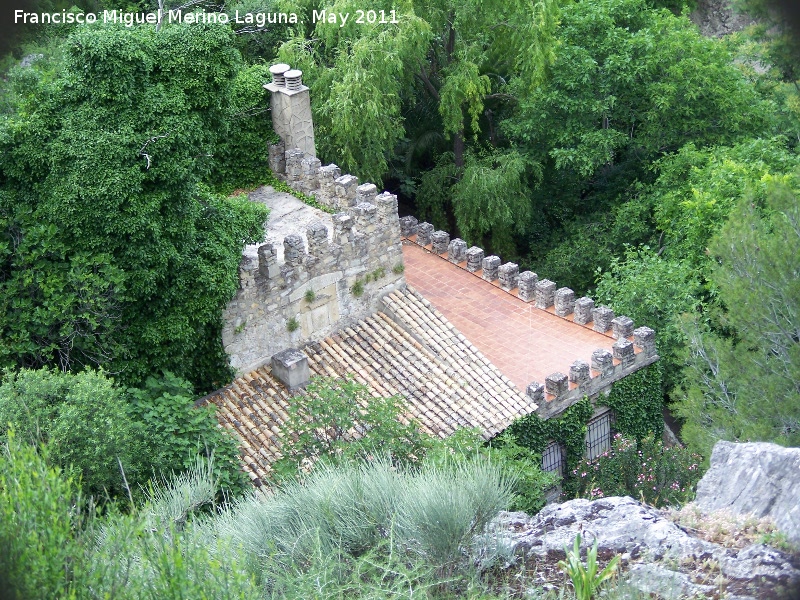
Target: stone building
(467,340)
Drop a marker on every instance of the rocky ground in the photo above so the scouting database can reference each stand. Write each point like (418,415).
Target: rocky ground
(740,540)
(658,555)
(716,18)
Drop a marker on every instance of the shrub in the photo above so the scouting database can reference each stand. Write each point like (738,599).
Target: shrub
(531,482)
(357,288)
(164,549)
(444,508)
(585,579)
(292,325)
(39,509)
(83,418)
(362,507)
(645,470)
(178,432)
(96,430)
(356,425)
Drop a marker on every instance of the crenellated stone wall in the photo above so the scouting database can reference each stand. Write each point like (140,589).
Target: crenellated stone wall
(329,279)
(633,349)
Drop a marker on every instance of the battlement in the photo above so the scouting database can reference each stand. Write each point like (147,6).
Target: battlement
(630,348)
(325,277)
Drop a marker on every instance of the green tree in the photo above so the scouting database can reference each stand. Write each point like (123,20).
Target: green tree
(339,419)
(96,430)
(653,291)
(112,251)
(743,373)
(440,54)
(179,433)
(629,85)
(697,189)
(82,418)
(40,512)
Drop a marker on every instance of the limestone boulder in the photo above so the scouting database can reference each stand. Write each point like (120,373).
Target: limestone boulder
(754,478)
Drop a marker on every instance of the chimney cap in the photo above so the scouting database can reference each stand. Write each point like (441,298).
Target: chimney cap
(279,69)
(293,73)
(290,367)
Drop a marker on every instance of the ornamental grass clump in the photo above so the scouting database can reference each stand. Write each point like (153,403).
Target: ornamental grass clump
(645,470)
(428,515)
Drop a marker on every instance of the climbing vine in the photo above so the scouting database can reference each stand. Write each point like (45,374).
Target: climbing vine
(568,429)
(636,401)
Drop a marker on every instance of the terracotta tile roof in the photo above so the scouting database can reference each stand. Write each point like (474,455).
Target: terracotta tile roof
(410,348)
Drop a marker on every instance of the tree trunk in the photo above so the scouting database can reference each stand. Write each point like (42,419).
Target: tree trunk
(458,149)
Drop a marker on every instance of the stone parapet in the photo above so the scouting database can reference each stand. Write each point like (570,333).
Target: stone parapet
(314,289)
(633,349)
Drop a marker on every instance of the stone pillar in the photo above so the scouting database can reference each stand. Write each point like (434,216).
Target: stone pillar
(623,352)
(474,259)
(317,235)
(291,109)
(345,187)
(509,276)
(294,251)
(366,192)
(440,240)
(457,251)
(277,157)
(602,317)
(579,372)
(527,285)
(424,231)
(564,301)
(408,226)
(645,339)
(545,293)
(583,310)
(622,327)
(490,265)
(556,384)
(602,361)
(535,392)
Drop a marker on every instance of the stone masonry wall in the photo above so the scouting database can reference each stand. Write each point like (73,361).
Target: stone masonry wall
(365,251)
(633,349)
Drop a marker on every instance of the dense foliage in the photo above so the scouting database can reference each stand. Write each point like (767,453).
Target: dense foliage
(569,430)
(339,419)
(743,364)
(112,251)
(357,530)
(112,441)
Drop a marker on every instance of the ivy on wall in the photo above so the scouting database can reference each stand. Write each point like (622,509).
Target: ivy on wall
(568,429)
(636,401)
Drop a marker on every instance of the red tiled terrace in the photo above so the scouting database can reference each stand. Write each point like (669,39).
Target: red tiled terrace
(526,343)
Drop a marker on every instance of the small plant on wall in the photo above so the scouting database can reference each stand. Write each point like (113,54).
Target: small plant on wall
(293,325)
(310,296)
(357,288)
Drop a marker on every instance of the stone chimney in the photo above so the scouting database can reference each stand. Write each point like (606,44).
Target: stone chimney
(290,367)
(291,109)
